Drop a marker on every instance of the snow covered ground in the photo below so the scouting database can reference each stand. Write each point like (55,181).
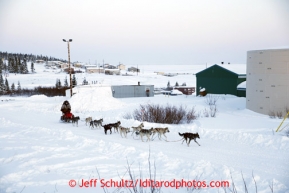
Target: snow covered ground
(38,153)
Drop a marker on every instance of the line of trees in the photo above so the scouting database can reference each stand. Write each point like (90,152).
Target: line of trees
(16,90)
(48,91)
(28,57)
(58,83)
(17,63)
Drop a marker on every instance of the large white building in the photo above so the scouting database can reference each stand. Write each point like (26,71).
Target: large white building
(267,87)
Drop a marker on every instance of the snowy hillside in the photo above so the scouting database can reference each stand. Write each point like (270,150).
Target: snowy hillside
(39,153)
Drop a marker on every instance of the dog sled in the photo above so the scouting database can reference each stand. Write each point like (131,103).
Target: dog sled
(66,117)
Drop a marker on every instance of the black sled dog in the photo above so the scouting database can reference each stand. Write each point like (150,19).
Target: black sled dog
(189,136)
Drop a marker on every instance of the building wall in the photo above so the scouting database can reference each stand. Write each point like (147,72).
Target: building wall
(127,91)
(133,69)
(77,65)
(64,65)
(94,70)
(121,67)
(217,80)
(112,72)
(267,80)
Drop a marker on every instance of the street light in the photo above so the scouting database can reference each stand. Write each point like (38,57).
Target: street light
(70,40)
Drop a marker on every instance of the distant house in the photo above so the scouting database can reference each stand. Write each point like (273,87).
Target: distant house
(219,80)
(89,66)
(67,70)
(111,67)
(94,70)
(112,71)
(133,69)
(108,66)
(63,65)
(53,63)
(121,67)
(170,74)
(128,91)
(79,65)
(185,89)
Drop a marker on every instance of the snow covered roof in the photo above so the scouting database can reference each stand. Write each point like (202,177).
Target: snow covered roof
(175,91)
(273,48)
(86,66)
(112,69)
(93,67)
(236,68)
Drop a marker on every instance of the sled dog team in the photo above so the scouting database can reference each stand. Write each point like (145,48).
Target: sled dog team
(139,130)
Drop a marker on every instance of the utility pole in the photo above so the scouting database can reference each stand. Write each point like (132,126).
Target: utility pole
(70,40)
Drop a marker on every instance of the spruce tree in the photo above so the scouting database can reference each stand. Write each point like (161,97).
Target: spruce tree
(169,85)
(6,87)
(13,88)
(25,68)
(58,83)
(177,84)
(2,85)
(21,68)
(65,82)
(74,82)
(32,67)
(10,65)
(1,65)
(5,67)
(84,81)
(17,65)
(18,88)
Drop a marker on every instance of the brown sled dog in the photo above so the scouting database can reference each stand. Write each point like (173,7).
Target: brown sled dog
(160,132)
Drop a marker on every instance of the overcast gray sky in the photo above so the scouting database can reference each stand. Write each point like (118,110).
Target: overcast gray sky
(144,31)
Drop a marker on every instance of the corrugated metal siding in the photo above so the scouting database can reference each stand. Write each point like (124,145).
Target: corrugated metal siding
(217,80)
(127,91)
(218,85)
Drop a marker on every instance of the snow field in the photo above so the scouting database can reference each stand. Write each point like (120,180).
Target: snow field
(38,153)
(41,153)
